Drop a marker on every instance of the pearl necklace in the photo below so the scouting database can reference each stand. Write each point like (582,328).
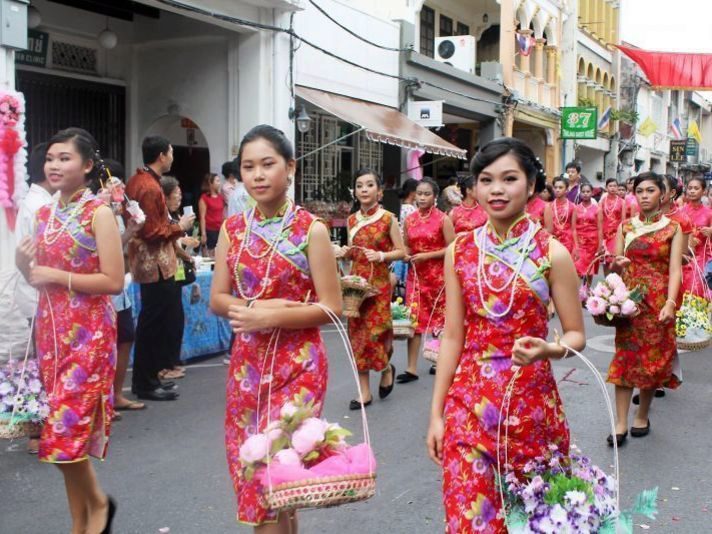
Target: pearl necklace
(558,219)
(469,208)
(427,215)
(271,249)
(610,212)
(526,239)
(51,233)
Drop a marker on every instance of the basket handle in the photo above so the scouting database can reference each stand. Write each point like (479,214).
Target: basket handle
(506,401)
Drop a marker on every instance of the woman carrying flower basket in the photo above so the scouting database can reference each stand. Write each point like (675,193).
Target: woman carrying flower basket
(469,214)
(374,241)
(499,280)
(75,261)
(649,252)
(588,235)
(275,257)
(701,217)
(427,232)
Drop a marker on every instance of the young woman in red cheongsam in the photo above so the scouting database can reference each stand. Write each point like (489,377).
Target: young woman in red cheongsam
(700,243)
(649,252)
(374,241)
(427,232)
(499,280)
(588,234)
(270,261)
(560,215)
(611,213)
(468,215)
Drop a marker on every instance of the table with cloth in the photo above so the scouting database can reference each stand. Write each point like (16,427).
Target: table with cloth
(205,333)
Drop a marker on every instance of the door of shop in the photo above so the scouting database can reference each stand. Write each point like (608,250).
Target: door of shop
(56,102)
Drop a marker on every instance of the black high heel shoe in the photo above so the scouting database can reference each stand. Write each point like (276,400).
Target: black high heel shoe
(620,439)
(384,391)
(109,515)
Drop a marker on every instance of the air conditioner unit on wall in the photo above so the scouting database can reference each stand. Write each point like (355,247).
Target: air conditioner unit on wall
(458,51)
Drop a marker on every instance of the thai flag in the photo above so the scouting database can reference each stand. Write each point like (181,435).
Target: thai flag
(526,44)
(605,119)
(676,129)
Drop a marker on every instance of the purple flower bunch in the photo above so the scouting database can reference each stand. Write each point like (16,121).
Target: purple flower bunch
(560,494)
(22,395)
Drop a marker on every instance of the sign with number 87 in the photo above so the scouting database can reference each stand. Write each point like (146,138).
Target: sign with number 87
(579,123)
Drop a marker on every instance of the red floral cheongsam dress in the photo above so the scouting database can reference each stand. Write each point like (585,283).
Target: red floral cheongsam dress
(300,359)
(646,348)
(467,218)
(587,236)
(371,334)
(612,218)
(535,209)
(631,204)
(76,338)
(426,279)
(474,401)
(693,273)
(562,215)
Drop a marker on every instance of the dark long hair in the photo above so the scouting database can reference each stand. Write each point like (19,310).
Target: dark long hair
(408,187)
(524,155)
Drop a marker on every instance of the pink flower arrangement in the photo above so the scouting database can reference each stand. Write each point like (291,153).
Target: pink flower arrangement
(612,298)
(297,438)
(12,152)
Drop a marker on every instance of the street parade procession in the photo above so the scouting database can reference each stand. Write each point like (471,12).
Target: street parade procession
(349,266)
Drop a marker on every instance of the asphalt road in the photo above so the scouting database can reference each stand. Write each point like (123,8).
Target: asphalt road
(167,469)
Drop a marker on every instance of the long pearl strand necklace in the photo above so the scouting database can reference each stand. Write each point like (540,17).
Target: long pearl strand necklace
(271,249)
(558,219)
(610,212)
(51,233)
(526,241)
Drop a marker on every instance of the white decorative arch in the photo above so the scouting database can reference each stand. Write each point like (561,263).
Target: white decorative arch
(540,22)
(525,13)
(552,34)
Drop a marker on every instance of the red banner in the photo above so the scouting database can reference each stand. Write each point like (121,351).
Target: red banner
(673,70)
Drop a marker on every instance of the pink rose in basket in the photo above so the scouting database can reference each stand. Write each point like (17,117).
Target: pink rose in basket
(583,292)
(596,305)
(615,310)
(309,435)
(601,291)
(288,457)
(614,281)
(628,308)
(288,410)
(255,449)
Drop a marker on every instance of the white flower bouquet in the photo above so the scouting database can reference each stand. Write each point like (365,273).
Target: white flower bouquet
(611,303)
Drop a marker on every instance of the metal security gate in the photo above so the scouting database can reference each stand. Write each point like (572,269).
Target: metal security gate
(56,102)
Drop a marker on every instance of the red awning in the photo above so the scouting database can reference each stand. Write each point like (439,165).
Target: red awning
(673,70)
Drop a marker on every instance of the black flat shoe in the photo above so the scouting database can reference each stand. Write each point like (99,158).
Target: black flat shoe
(620,439)
(356,405)
(640,432)
(406,377)
(659,393)
(384,391)
(158,394)
(109,516)
(636,399)
(432,370)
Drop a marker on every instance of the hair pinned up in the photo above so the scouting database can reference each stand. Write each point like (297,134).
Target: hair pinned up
(88,149)
(528,161)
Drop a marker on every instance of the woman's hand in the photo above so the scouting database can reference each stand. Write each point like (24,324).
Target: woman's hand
(620,263)
(41,275)
(204,239)
(694,241)
(372,255)
(25,254)
(417,258)
(434,440)
(341,252)
(133,227)
(192,242)
(707,232)
(527,350)
(244,319)
(667,313)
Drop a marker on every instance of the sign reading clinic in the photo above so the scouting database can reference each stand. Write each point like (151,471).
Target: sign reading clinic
(579,123)
(36,53)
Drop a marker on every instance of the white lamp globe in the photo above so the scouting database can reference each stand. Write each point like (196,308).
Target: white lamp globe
(108,39)
(34,18)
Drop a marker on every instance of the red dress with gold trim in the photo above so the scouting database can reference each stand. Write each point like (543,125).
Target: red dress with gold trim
(587,235)
(300,358)
(646,348)
(426,279)
(562,214)
(467,218)
(693,274)
(536,419)
(371,334)
(79,375)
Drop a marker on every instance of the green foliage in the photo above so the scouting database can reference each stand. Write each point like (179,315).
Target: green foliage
(646,503)
(629,116)
(560,484)
(586,102)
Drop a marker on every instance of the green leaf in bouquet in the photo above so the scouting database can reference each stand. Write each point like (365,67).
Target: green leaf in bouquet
(646,503)
(637,294)
(560,484)
(516,520)
(282,442)
(249,472)
(313,455)
(624,525)
(608,526)
(609,316)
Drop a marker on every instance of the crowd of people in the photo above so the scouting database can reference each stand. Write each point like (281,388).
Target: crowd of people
(508,242)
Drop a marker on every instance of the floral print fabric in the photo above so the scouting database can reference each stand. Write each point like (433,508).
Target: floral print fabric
(298,360)
(467,218)
(693,278)
(371,334)
(426,279)
(646,348)
(612,219)
(587,235)
(473,406)
(78,376)
(562,214)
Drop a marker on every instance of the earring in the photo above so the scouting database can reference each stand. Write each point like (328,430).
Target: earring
(290,179)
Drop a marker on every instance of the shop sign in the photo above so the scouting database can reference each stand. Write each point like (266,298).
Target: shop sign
(579,123)
(677,150)
(427,113)
(691,147)
(36,53)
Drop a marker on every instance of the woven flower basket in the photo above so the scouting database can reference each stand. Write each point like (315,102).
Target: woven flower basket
(403,329)
(352,304)
(321,492)
(616,322)
(693,345)
(11,432)
(430,354)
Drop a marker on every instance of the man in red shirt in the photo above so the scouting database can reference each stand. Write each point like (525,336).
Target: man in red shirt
(152,260)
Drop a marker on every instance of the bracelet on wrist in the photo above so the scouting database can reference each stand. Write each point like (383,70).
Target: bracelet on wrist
(671,301)
(382,256)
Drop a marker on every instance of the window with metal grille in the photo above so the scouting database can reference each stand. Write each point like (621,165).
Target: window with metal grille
(68,56)
(427,31)
(445,26)
(462,29)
